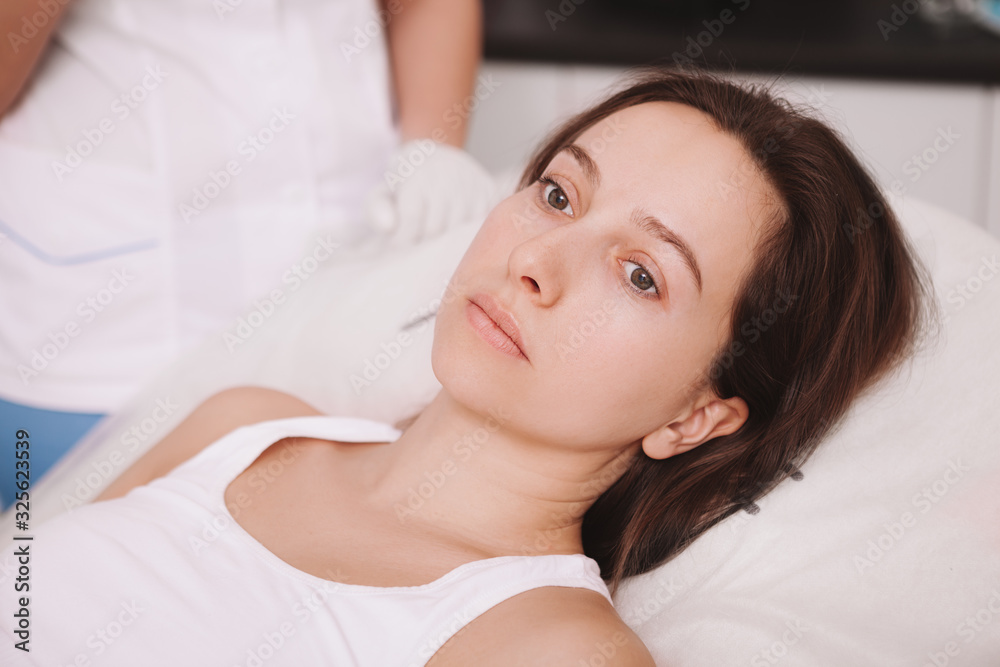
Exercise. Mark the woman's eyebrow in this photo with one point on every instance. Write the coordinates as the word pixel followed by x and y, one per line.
pixel 650 224
pixel 586 163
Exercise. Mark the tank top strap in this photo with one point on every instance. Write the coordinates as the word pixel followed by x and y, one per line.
pixel 214 467
pixel 481 585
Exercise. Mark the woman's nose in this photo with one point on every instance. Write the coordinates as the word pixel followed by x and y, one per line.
pixel 542 265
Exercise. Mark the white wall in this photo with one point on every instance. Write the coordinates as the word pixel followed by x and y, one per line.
pixel 888 124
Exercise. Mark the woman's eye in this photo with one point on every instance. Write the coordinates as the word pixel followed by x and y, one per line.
pixel 640 279
pixel 556 198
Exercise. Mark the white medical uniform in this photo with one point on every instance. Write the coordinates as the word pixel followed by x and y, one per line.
pixel 171 161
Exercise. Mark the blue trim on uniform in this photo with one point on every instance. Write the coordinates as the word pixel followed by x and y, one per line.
pixel 51 434
pixel 83 258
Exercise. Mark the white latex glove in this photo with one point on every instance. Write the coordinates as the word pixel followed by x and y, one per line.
pixel 428 188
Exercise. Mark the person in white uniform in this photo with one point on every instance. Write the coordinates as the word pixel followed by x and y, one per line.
pixel 163 163
pixel 550 468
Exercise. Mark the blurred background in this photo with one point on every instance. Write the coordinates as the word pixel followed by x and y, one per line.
pixel 914 86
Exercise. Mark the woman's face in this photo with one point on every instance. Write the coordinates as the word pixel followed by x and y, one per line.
pixel 619 268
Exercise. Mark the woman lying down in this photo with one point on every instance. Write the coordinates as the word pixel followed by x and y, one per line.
pixel 747 306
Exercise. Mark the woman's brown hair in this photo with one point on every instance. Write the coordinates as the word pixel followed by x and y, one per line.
pixel 834 299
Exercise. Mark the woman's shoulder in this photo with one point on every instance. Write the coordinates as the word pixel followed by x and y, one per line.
pixel 256 402
pixel 216 416
pixel 550 625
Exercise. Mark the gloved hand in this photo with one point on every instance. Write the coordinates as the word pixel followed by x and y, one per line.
pixel 428 188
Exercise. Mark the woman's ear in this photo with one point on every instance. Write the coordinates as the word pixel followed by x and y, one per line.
pixel 715 418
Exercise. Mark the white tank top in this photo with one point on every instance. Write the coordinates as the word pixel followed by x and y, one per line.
pixel 166 576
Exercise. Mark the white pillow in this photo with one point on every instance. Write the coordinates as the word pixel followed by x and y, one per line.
pixel 846 567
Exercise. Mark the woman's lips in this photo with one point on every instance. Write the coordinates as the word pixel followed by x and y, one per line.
pixel 491 331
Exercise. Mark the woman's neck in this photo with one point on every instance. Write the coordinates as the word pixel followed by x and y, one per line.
pixel 474 479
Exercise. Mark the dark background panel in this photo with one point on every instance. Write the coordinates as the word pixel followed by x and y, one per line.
pixel 770 36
